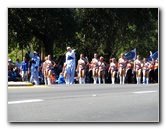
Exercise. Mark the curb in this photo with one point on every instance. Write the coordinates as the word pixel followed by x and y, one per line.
pixel 20 84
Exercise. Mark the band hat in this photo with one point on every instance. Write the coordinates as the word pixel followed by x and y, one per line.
pixel 68 48
pixel 35 52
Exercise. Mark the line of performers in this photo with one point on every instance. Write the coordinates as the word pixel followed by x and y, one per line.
pixel 99 67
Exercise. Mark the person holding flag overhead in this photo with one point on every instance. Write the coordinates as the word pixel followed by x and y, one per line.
pixel 153 56
pixel 34 67
pixel 131 55
pixel 153 70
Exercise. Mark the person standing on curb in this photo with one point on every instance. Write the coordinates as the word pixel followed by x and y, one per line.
pixel 24 69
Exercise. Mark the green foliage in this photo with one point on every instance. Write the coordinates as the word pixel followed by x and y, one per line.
pixel 88 30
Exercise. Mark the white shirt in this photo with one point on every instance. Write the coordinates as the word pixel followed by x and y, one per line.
pixel 71 55
pixel 81 61
pixel 95 61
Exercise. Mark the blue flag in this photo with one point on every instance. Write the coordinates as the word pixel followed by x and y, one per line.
pixel 131 55
pixel 154 56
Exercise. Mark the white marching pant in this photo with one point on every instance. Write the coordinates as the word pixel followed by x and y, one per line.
pixel 34 74
pixel 70 71
pixel 113 80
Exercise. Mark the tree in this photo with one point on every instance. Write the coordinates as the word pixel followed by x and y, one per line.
pixel 50 26
pixel 107 31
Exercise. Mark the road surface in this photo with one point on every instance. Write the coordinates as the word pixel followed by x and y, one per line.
pixel 84 103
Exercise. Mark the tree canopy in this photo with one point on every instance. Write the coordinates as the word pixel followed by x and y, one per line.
pixel 106 31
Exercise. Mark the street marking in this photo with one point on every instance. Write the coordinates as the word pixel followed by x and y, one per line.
pixel 25 101
pixel 141 92
pixel 94 95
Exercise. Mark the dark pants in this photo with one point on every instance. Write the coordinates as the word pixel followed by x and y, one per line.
pixel 151 76
pixel 134 78
pixel 156 75
pixel 128 76
pixel 90 76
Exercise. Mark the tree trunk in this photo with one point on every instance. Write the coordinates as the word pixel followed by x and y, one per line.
pixel 42 54
pixel 48 44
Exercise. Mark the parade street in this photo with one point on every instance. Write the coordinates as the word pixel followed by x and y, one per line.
pixel 84 103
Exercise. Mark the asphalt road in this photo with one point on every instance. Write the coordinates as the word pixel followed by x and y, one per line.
pixel 84 103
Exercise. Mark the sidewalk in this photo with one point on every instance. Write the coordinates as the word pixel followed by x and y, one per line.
pixel 19 84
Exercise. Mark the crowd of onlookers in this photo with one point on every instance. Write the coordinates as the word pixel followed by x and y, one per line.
pixel 15 72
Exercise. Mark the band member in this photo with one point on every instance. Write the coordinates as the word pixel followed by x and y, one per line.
pixel 34 67
pixel 101 70
pixel 49 66
pixel 113 70
pixel 137 68
pixel 145 71
pixel 95 68
pixel 81 69
pixel 24 69
pixel 122 68
pixel 70 61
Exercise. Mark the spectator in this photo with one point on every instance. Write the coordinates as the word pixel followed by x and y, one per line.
pixel 10 75
pixel 18 63
pixel 41 76
pixel 61 79
pixel 64 71
pixel 59 69
pixel 24 69
pixel 11 65
pixel 52 78
pixel 16 73
pixel 27 57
